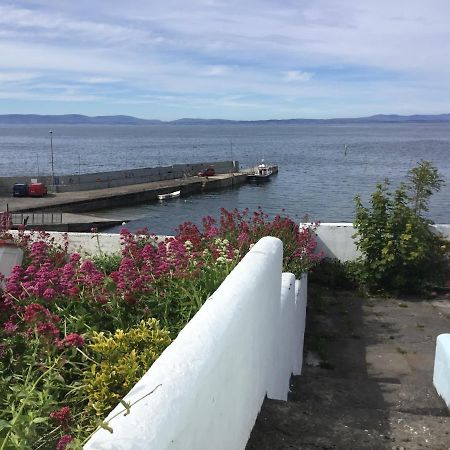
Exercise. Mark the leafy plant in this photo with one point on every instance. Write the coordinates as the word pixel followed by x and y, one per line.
pixel 107 263
pixel 400 252
pixel 423 180
pixel 121 359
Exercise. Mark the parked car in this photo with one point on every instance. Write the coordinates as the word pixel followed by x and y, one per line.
pixel 37 190
pixel 20 190
pixel 209 172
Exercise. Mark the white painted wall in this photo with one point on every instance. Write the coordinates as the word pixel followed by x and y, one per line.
pixel 335 239
pixel 441 375
pixel 243 343
pixel 10 256
pixel 88 243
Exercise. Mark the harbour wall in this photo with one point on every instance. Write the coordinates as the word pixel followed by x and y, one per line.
pixel 102 180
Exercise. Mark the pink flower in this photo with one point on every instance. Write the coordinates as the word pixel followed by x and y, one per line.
pixel 48 330
pixel 10 327
pixel 34 312
pixel 49 293
pixel 74 340
pixel 64 442
pixel 87 266
pixel 74 290
pixel 62 416
pixel 74 257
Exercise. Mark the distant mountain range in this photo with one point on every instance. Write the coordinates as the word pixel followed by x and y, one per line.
pixel 33 119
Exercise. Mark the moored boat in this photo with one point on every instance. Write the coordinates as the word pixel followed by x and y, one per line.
pixel 262 173
pixel 169 195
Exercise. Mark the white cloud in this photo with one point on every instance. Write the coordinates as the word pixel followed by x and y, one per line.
pixel 214 71
pixel 99 80
pixel 234 53
pixel 297 76
pixel 15 77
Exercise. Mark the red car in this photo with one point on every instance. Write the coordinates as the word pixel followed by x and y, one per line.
pixel 209 172
pixel 37 190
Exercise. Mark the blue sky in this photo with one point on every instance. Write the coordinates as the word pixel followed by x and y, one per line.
pixel 229 59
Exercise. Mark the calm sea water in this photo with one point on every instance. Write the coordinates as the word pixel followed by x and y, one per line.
pixel 317 176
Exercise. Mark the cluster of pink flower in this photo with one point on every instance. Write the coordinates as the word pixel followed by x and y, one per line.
pixel 52 275
pixel 5 221
pixel 46 279
pixel 242 230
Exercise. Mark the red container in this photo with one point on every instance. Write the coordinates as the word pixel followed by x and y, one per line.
pixel 209 172
pixel 37 190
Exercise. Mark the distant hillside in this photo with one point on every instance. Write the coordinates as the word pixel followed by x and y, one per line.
pixel 24 119
pixel 32 119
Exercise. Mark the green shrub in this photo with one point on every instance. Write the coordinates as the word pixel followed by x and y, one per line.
pixel 400 252
pixel 121 359
pixel 107 263
pixel 333 274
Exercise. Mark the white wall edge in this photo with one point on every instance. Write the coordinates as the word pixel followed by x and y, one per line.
pixel 441 373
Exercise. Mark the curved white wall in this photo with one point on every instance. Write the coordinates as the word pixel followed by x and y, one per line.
pixel 243 343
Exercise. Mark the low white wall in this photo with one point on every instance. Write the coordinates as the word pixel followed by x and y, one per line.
pixel 335 239
pixel 86 243
pixel 243 343
pixel 441 374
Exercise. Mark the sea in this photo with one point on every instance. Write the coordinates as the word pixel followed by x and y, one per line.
pixel 322 167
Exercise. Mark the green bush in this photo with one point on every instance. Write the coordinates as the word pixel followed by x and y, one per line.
pixel 107 263
pixel 121 359
pixel 333 274
pixel 400 252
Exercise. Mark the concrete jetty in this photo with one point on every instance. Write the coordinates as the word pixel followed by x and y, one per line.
pixel 66 205
pixel 108 198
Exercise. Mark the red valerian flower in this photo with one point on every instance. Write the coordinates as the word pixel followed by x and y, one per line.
pixel 64 441
pixel 74 340
pixel 62 416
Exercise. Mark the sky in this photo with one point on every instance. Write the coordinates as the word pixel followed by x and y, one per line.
pixel 242 60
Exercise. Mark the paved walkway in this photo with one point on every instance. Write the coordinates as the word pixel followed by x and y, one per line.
pixel 367 379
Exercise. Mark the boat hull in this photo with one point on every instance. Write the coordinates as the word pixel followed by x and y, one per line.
pixel 169 195
pixel 258 178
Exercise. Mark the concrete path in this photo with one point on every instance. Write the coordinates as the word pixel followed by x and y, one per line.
pixel 367 381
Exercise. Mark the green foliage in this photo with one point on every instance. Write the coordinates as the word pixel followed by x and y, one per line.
pixel 27 397
pixel 121 359
pixel 423 180
pixel 400 252
pixel 107 263
pixel 333 274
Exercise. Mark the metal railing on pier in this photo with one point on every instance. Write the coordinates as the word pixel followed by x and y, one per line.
pixel 32 218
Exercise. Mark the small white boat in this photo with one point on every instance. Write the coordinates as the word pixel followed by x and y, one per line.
pixel 169 195
pixel 262 173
